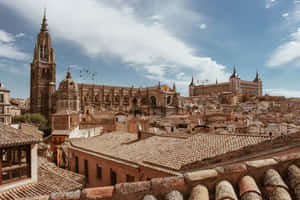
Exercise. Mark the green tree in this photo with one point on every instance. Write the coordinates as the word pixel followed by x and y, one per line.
pixel 33 118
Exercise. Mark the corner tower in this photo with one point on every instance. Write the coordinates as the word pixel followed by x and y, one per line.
pixel 43 74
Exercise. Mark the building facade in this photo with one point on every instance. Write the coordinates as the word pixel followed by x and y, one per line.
pixel 234 85
pixel 5 114
pixel 18 157
pixel 157 100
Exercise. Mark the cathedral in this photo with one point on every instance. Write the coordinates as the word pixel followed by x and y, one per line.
pixel 75 97
pixel 235 86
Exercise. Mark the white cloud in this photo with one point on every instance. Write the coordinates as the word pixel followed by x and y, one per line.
pixel 8 48
pixel 20 35
pixel 6 37
pixel 11 52
pixel 287 52
pixel 156 17
pixel 283 92
pixel 270 3
pixel 285 15
pixel 102 29
pixel 203 26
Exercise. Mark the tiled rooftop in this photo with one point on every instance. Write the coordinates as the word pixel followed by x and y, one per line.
pixel 274 178
pixel 125 145
pixel 200 147
pixel 10 136
pixel 165 152
pixel 51 179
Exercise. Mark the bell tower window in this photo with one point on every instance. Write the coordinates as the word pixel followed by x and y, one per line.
pixel 44 53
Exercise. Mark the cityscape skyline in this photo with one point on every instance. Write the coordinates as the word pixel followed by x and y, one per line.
pixel 143 44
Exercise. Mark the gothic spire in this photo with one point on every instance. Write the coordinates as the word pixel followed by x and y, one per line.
pixel 234 74
pixel 174 86
pixel 192 82
pixel 44 25
pixel 257 76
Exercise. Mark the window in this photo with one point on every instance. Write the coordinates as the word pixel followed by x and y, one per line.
pixel 153 101
pixel 76 165
pixel 99 172
pixel 113 177
pixel 129 178
pixel 86 170
pixel 1 98
pixel 169 100
pixel 1 109
pixel 15 163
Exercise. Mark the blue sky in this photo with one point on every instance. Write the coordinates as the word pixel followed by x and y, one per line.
pixel 141 42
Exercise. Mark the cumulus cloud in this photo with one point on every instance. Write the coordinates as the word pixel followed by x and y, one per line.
pixel 8 49
pixel 101 28
pixel 286 52
pixel 283 92
pixel 270 3
pixel 203 26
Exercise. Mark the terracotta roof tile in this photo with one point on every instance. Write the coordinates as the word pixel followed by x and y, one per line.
pixel 50 180
pixel 200 147
pixel 199 192
pixel 10 136
pixel 224 190
pixel 125 146
pixel 248 185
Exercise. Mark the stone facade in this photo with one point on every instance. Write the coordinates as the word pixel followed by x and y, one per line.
pixel 43 74
pixel 5 114
pixel 156 100
pixel 234 85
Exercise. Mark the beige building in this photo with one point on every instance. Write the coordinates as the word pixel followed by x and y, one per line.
pixel 5 115
pixel 234 85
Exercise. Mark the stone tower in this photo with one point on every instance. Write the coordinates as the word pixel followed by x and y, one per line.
pixel 191 87
pixel 258 81
pixel 234 81
pixel 43 74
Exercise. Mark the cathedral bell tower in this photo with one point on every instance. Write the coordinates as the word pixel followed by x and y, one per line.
pixel 43 74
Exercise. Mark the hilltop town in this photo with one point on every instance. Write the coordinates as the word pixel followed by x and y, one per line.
pixel 225 140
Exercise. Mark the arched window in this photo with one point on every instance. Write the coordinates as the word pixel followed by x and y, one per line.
pixel 117 99
pixel 153 100
pixel 107 98
pixel 134 101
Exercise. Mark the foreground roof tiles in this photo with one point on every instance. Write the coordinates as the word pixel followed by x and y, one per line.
pixel 51 179
pixel 273 181
pixel 10 136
